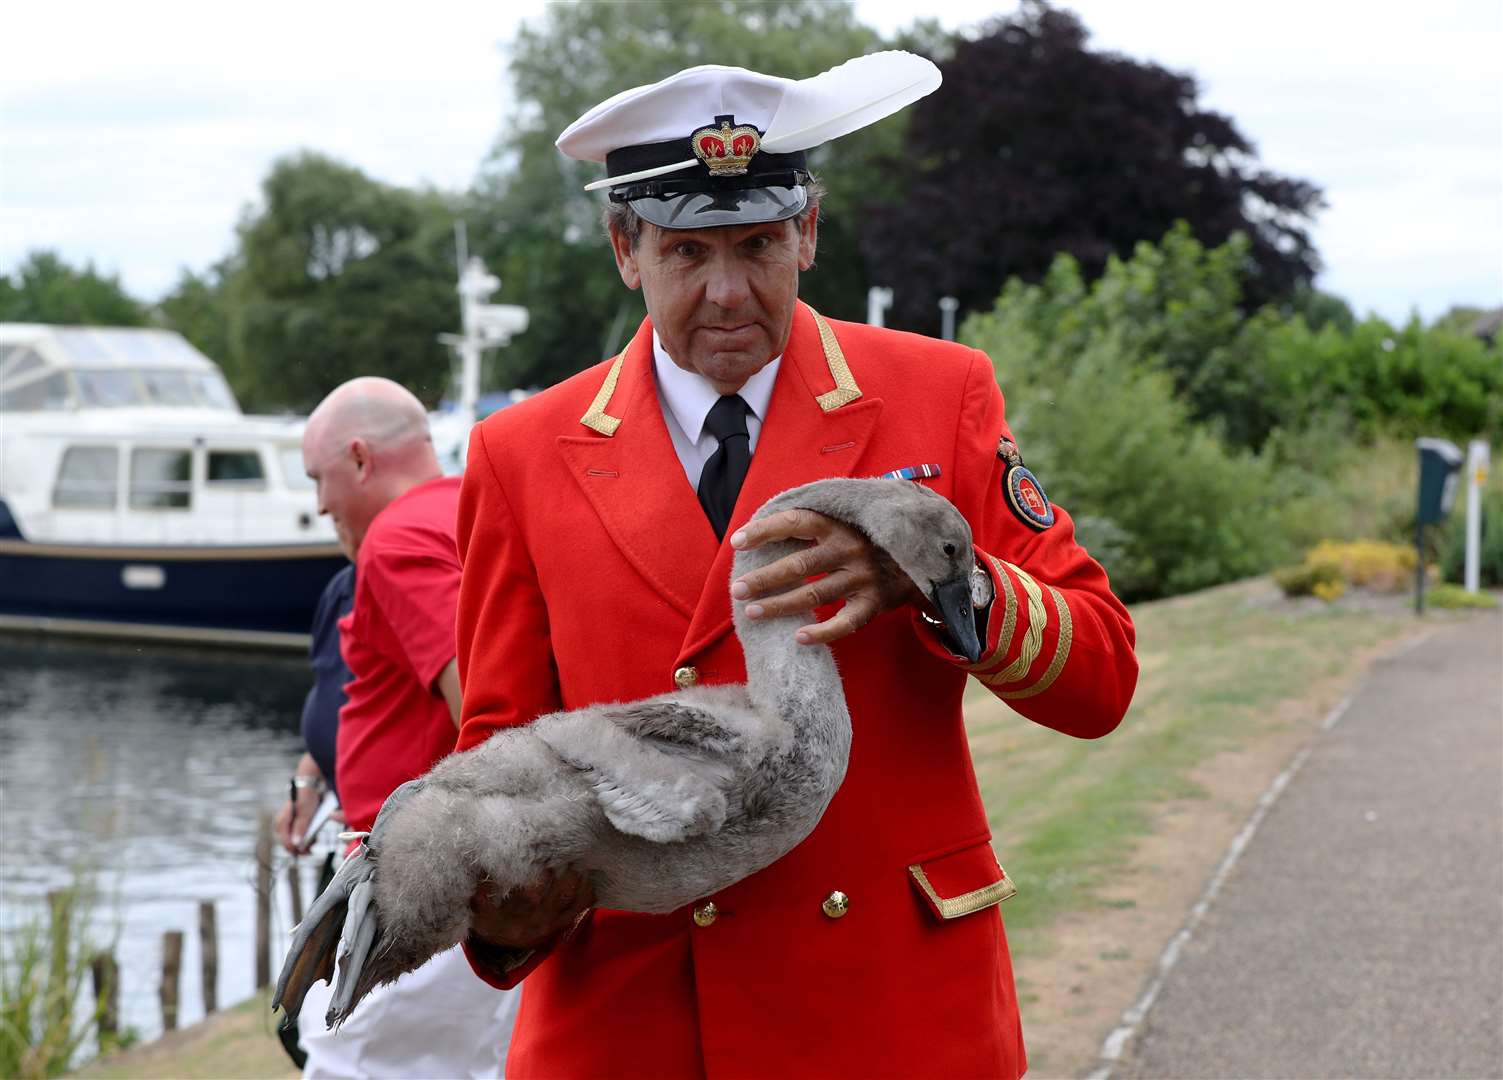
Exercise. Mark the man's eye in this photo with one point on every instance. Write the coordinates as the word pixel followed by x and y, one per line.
pixel 759 243
pixel 686 250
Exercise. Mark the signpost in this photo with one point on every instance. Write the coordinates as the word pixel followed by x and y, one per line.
pixel 1476 479
pixel 1438 460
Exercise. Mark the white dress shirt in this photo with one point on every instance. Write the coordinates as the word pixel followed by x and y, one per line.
pixel 686 399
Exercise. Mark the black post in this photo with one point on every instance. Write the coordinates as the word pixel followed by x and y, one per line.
pixel 1419 569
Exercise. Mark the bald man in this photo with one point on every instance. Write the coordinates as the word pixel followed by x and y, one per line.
pixel 368 450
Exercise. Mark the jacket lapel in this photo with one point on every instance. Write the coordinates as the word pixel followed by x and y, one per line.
pixel 636 484
pixel 818 425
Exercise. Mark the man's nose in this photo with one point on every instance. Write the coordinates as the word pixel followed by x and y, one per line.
pixel 727 286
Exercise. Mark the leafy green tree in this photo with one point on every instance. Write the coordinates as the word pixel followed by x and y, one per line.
pixel 45 289
pixel 1035 144
pixel 540 231
pixel 336 275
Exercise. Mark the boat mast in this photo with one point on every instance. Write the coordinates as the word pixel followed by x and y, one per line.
pixel 485 325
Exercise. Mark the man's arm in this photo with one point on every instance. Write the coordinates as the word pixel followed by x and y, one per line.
pixel 1057 645
pixel 448 686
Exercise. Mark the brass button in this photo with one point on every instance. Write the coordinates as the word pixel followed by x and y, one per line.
pixel 686 677
pixel 836 904
pixel 706 913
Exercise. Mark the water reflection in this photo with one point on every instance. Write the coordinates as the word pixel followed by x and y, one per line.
pixel 144 768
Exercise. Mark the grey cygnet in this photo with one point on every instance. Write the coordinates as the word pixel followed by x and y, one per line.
pixel 660 802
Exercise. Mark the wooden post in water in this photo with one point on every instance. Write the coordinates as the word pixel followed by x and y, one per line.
pixel 106 977
pixel 172 966
pixel 208 951
pixel 263 901
pixel 59 926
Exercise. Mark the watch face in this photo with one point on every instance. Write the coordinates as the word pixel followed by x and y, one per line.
pixel 981 588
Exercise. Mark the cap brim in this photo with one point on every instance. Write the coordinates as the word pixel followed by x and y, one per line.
pixel 709 209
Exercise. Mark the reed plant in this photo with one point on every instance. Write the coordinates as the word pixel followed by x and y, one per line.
pixel 43 1027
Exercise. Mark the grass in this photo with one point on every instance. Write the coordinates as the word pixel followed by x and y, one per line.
pixel 1065 813
pixel 235 1043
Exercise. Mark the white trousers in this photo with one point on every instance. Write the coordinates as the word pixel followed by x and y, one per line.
pixel 440 1022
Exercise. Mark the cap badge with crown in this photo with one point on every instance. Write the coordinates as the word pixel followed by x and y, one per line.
pixel 726 150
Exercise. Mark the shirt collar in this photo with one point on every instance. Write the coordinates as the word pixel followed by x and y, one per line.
pixel 690 396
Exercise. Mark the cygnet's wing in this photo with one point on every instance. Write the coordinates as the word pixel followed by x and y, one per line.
pixel 315 941
pixel 658 768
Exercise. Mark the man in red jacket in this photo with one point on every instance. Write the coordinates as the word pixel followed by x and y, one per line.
pixel 597 524
pixel 368 450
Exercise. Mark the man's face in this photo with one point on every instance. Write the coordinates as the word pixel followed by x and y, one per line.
pixel 721 299
pixel 340 470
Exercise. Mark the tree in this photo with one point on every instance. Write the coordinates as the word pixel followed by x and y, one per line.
pixel 1036 145
pixel 45 289
pixel 336 275
pixel 540 231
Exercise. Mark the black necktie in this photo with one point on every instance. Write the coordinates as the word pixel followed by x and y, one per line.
pixel 720 482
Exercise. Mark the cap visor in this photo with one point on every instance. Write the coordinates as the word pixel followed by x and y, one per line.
pixel 709 209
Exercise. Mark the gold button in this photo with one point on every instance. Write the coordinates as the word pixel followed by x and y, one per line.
pixel 836 904
pixel 685 677
pixel 706 913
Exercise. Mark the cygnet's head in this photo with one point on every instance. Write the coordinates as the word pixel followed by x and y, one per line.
pixel 919 529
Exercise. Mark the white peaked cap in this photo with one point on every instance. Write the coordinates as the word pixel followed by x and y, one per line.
pixel 648 124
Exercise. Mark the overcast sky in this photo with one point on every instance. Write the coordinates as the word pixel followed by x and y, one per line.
pixel 133 135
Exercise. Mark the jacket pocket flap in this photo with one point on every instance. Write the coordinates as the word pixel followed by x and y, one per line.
pixel 958 884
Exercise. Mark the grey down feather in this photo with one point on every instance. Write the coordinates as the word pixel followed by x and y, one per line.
pixel 660 802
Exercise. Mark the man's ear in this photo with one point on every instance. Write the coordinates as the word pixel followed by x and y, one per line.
pixel 626 258
pixel 808 238
pixel 363 459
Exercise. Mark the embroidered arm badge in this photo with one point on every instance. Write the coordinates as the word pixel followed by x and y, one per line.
pixel 1025 495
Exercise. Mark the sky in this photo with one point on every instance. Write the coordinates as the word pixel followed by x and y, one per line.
pixel 134 136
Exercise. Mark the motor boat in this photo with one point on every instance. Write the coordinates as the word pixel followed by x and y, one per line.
pixel 137 500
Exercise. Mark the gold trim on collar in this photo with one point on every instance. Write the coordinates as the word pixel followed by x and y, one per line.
pixel 965 903
pixel 595 416
pixel 846 390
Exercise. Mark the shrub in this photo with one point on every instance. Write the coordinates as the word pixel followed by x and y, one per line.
pixel 1453 561
pixel 1160 501
pixel 1332 565
pixel 1453 597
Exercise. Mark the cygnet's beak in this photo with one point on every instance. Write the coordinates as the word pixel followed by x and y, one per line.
pixel 953 599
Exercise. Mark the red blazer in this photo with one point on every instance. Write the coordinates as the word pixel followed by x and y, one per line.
pixel 591 574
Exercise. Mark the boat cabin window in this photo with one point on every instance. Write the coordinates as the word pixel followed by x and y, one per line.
pixel 293 474
pixel 29 394
pixel 240 469
pixel 103 389
pixel 87 478
pixel 17 360
pixel 161 479
pixel 168 387
pixel 213 391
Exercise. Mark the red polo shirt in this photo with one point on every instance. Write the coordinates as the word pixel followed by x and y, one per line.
pixel 397 639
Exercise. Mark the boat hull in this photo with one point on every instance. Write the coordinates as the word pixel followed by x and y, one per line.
pixel 256 594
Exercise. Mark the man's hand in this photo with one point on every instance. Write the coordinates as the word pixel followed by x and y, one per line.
pixel 292 821
pixel 854 571
pixel 532 916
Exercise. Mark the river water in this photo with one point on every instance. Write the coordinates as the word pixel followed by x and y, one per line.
pixel 142 770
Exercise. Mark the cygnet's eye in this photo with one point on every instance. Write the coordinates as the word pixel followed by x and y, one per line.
pixel 950 550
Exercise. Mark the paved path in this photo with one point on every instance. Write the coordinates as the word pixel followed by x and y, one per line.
pixel 1361 933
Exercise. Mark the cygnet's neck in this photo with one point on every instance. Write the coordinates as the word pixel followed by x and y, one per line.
pixel 782 676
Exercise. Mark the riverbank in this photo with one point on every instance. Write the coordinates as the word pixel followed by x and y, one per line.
pixel 1110 842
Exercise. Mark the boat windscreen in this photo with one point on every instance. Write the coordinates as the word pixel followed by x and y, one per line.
pixel 107 389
